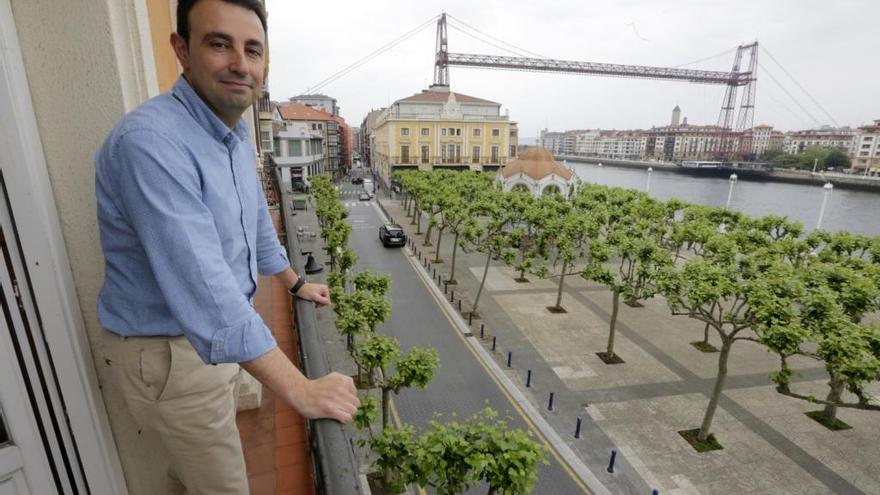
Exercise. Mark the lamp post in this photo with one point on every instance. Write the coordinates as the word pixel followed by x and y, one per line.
pixel 730 191
pixel 828 187
pixel 648 183
pixel 599 174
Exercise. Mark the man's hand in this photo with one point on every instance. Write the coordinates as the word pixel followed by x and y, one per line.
pixel 331 396
pixel 317 293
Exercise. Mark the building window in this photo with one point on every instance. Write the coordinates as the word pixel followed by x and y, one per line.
pixel 404 154
pixel 458 132
pixel 426 131
pixel 294 147
pixel 277 147
pixel 426 151
pixel 494 157
pixel 512 151
pixel 496 132
pixel 314 126
pixel 404 131
pixel 475 154
pixel 443 131
pixel 320 127
pixel 477 132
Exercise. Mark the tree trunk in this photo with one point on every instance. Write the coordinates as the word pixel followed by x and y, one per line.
pixel 418 221
pixel 439 236
pixel 706 334
pixel 386 402
pixel 615 305
pixel 428 232
pixel 454 252
pixel 522 261
pixel 726 344
pixel 561 283
pixel 491 490
pixel 482 282
pixel 834 394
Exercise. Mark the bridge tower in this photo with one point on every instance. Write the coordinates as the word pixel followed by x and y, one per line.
pixel 441 54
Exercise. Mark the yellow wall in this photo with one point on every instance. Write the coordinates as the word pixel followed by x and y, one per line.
pixel 390 138
pixel 161 27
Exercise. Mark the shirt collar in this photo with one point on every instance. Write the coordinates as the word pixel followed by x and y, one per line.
pixel 206 117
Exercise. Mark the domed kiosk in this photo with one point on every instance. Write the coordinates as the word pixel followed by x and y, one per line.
pixel 536 172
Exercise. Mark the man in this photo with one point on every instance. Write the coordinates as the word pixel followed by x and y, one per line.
pixel 185 229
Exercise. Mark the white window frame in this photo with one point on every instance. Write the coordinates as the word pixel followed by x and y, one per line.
pixel 43 249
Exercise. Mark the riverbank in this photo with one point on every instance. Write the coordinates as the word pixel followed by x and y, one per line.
pixel 842 181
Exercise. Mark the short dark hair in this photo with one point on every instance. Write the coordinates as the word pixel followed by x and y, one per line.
pixel 184 6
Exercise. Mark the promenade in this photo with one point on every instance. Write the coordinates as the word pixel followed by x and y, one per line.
pixel 663 387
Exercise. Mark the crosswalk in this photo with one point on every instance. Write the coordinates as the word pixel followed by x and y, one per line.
pixel 354 204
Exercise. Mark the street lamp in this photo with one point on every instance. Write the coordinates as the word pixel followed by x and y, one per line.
pixel 648 183
pixel 730 191
pixel 828 187
pixel 599 174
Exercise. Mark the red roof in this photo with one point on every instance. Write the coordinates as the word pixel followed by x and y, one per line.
pixel 441 96
pixel 296 111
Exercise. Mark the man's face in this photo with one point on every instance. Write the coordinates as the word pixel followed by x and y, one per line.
pixel 223 60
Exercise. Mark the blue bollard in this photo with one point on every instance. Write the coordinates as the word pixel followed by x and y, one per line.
pixel 577 429
pixel 550 403
pixel 529 379
pixel 482 330
pixel 470 319
pixel 451 295
pixel 459 305
pixel 655 492
pixel 611 463
pixel 493 342
pixel 446 287
pixel 509 357
pixel 433 272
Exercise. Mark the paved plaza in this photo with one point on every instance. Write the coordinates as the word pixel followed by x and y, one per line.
pixel 770 446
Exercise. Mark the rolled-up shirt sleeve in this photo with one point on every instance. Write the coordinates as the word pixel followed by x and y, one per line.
pixel 271 258
pixel 162 199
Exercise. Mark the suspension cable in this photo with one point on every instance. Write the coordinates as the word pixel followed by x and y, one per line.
pixel 518 54
pixel 725 52
pixel 522 50
pixel 799 85
pixel 784 90
pixel 384 48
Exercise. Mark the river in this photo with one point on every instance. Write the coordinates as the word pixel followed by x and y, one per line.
pixel 854 211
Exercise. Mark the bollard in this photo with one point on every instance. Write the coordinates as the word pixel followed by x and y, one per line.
pixel 433 272
pixel 459 305
pixel 577 429
pixel 529 379
pixel 493 342
pixel 509 357
pixel 482 328
pixel 446 287
pixel 611 463
pixel 452 296
pixel 550 403
pixel 470 318
pixel 655 492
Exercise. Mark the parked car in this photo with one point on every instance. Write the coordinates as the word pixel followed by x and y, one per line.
pixel 392 234
pixel 357 180
pixel 364 196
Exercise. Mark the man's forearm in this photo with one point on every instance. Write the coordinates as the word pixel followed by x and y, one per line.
pixel 275 370
pixel 287 277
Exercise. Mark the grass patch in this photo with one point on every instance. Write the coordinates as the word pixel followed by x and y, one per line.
pixel 708 445
pixel 832 424
pixel 556 309
pixel 612 359
pixel 704 346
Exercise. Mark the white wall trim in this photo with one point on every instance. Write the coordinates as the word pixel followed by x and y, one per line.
pixel 33 203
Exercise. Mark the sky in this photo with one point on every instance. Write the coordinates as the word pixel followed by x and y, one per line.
pixel 830 48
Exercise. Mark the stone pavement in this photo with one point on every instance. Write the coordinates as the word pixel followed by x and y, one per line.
pixel 638 407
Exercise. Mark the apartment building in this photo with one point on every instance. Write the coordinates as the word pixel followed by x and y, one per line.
pixel 866 156
pixel 843 138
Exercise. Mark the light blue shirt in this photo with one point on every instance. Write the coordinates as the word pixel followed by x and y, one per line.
pixel 184 229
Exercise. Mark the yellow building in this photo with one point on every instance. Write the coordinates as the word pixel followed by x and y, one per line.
pixel 441 128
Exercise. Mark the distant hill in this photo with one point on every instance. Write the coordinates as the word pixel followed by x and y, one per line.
pixel 528 141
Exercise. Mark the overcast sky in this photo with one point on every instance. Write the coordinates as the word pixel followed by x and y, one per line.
pixel 830 47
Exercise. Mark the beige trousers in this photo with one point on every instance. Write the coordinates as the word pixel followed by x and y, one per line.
pixel 170 392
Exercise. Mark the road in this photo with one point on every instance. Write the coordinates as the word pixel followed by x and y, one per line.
pixel 463 385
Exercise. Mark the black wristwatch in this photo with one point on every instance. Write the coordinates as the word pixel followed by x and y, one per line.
pixel 297 286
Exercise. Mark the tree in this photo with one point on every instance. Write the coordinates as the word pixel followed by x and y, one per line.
pixel 733 288
pixel 837 159
pixel 485 232
pixel 635 245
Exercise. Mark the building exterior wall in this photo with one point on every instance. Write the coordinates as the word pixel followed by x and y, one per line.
pixel 866 155
pixel 843 138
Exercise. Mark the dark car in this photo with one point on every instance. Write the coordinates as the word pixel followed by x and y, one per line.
pixel 392 234
pixel 357 180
